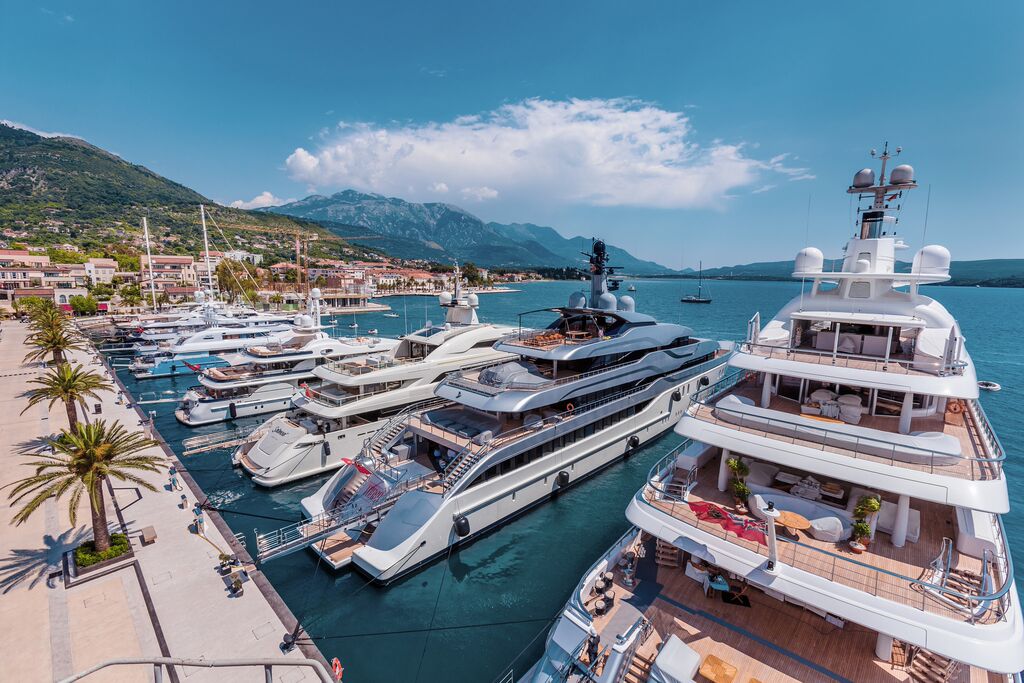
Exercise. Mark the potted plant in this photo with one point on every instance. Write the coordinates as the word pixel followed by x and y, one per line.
pixel 861 535
pixel 738 468
pixel 225 564
pixel 867 507
pixel 236 587
pixel 740 493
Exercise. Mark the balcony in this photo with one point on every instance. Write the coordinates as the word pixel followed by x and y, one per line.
pixel 927 575
pixel 875 438
pixel 901 365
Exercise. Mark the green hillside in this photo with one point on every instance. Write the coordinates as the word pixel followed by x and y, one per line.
pixel 56 189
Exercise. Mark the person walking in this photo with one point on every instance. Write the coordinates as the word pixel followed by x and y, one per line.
pixel 175 485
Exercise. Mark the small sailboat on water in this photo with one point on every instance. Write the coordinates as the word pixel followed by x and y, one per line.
pixel 699 297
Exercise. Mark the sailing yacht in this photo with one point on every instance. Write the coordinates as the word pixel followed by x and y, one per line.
pixel 332 418
pixel 699 297
pixel 263 378
pixel 835 510
pixel 594 386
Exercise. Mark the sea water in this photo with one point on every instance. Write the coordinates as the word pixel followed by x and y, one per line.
pixel 487 607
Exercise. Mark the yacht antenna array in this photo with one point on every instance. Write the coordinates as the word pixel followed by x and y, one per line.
pixel 864 185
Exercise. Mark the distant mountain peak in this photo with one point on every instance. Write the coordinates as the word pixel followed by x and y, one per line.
pixel 440 231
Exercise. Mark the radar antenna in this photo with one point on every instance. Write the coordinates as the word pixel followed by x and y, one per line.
pixel 882 193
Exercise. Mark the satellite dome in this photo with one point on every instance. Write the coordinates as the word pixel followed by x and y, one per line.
pixel 865 177
pixel 902 175
pixel 445 298
pixel 627 304
pixel 932 260
pixel 862 265
pixel 303 321
pixel 473 300
pixel 809 260
pixel 606 302
pixel 577 300
pixel 315 293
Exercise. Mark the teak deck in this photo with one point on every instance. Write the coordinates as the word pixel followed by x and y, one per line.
pixel 771 641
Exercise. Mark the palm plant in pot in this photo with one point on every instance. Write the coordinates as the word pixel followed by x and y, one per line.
pixel 861 535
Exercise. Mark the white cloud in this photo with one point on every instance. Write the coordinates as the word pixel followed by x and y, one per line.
pixel 440 188
pixel 260 201
pixel 602 152
pixel 42 133
pixel 479 194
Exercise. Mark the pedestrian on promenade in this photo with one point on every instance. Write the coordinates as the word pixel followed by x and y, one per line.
pixel 198 512
pixel 184 502
pixel 173 472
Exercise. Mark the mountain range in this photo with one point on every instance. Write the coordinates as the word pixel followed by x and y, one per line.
pixel 443 232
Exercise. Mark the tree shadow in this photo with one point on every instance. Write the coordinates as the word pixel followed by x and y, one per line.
pixel 33 564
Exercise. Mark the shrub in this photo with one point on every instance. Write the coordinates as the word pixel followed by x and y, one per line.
pixel 861 530
pixel 738 468
pixel 866 506
pixel 86 555
pixel 740 490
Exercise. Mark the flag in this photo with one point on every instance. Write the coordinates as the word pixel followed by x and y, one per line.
pixel 193 368
pixel 350 461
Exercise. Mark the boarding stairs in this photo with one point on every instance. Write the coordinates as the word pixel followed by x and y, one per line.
pixel 666 554
pixel 639 669
pixel 295 537
pixel 923 665
pixel 228 438
pixel 961 585
pixel 385 437
pixel 462 463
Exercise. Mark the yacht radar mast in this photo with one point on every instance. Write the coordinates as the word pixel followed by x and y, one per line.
pixel 881 193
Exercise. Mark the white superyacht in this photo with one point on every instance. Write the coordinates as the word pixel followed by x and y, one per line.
pixel 330 420
pixel 835 512
pixel 263 378
pixel 594 386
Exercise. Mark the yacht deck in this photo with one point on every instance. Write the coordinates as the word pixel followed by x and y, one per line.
pixel 974 462
pixel 836 562
pixel 771 641
pixel 896 364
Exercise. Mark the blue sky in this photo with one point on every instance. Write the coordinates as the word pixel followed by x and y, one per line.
pixel 681 131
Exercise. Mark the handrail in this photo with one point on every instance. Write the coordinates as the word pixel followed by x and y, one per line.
pixel 335 401
pixel 401 416
pixel 462 381
pixel 850 442
pixel 351 368
pixel 329 521
pixel 879 364
pixel 157 662
pixel 656 484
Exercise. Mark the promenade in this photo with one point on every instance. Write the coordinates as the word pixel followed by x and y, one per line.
pixel 169 601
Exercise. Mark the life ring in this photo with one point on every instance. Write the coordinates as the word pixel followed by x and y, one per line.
pixel 989 386
pixel 570 408
pixel 337 668
pixel 955 407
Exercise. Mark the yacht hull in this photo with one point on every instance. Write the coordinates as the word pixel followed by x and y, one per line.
pixel 296 461
pixel 496 501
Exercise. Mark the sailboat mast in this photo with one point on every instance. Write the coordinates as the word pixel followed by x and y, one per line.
pixel 149 257
pixel 700 278
pixel 206 247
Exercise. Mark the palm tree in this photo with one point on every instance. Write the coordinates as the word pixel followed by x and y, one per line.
pixel 53 336
pixel 277 300
pixel 81 461
pixel 69 385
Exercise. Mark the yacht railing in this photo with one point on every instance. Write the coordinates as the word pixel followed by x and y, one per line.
pixel 808 435
pixel 336 400
pixel 882 583
pixel 295 537
pixel 462 380
pixel 840 359
pixel 554 338
pixel 354 368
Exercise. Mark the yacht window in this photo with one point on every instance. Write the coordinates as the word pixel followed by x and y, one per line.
pixel 860 289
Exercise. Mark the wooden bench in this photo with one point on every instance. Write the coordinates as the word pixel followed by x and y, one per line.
pixel 148 535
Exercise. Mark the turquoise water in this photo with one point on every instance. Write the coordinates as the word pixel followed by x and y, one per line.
pixel 488 605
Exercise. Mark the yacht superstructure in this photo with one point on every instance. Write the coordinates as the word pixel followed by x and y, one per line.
pixel 353 398
pixel 597 384
pixel 840 490
pixel 263 378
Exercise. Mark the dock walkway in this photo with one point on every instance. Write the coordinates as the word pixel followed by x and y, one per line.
pixel 170 601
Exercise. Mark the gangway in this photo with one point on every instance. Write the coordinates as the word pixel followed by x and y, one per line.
pixel 228 438
pixel 148 397
pixel 296 537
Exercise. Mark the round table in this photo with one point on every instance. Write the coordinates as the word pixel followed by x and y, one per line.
pixel 792 522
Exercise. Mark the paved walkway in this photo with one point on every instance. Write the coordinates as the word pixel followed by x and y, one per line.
pixel 49 633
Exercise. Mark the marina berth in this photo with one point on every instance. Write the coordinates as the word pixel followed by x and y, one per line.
pixel 349 399
pixel 842 479
pixel 263 378
pixel 596 385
